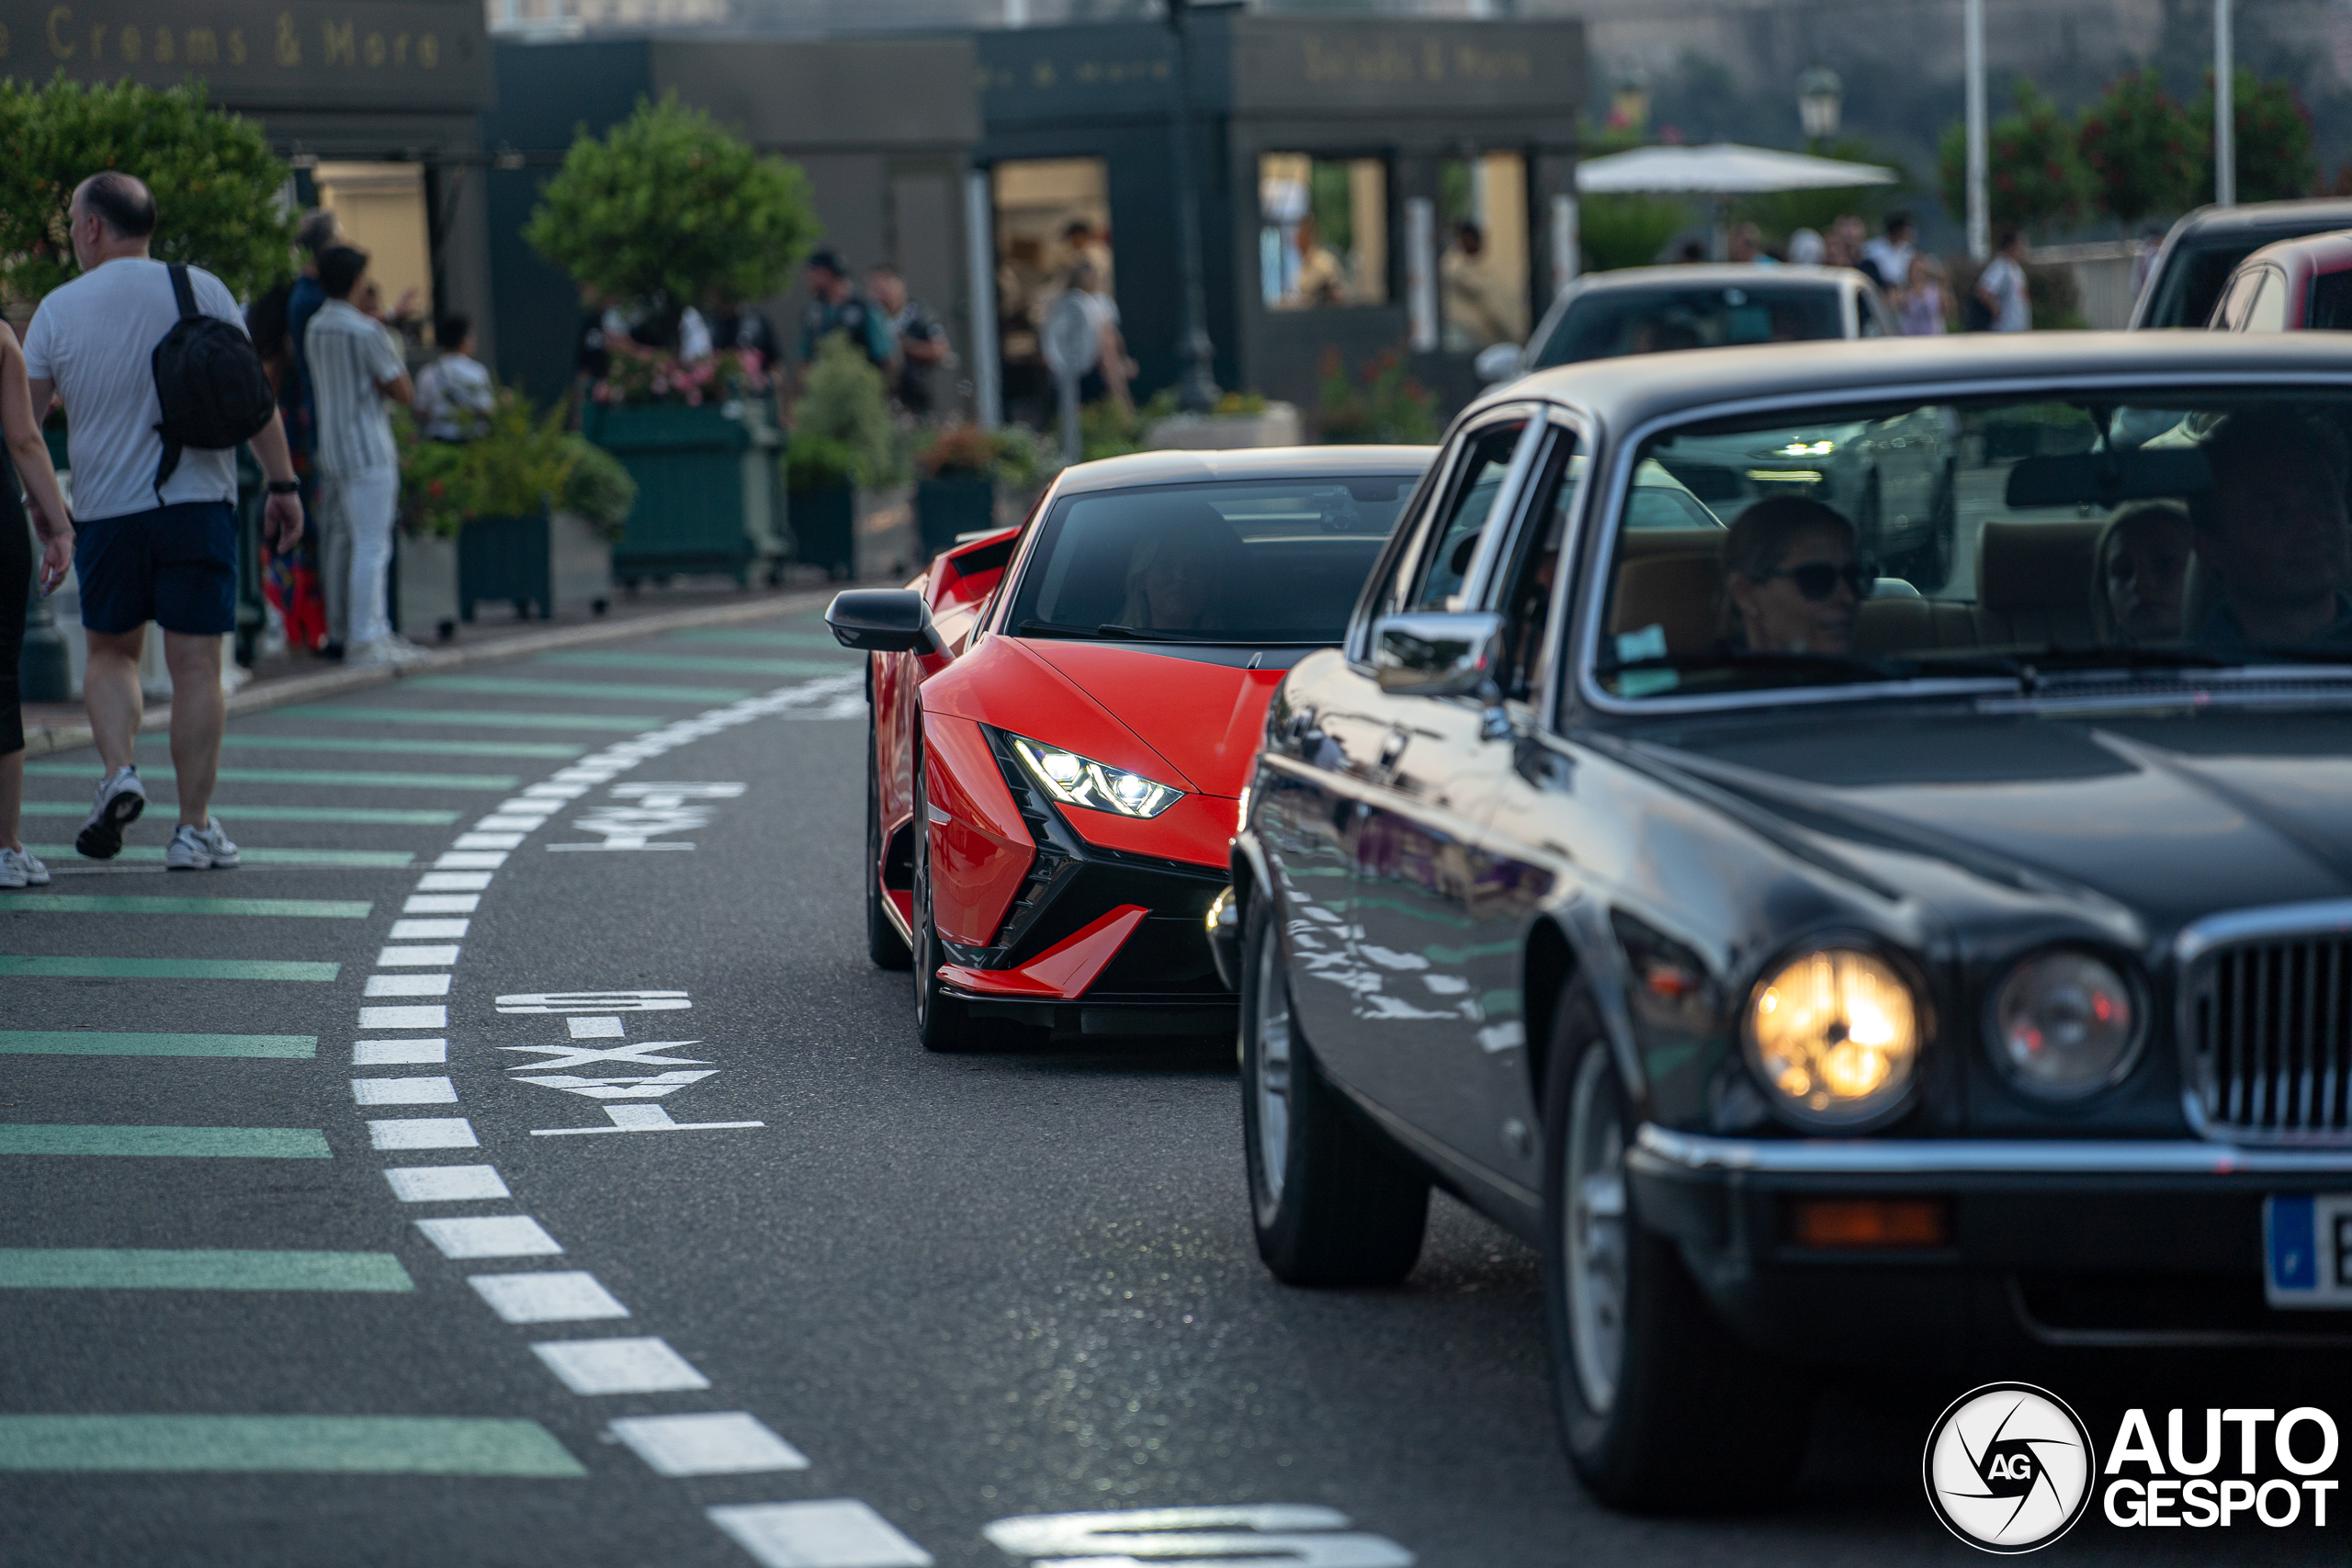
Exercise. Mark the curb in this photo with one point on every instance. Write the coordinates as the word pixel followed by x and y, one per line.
pixel 260 696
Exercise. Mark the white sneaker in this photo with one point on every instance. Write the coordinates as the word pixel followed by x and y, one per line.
pixel 21 868
pixel 387 652
pixel 121 797
pixel 209 850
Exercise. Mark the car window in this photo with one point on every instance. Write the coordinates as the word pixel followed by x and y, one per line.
pixel 1526 604
pixel 1263 560
pixel 1453 545
pixel 2331 304
pixel 2268 312
pixel 2230 312
pixel 1876 544
pixel 1604 323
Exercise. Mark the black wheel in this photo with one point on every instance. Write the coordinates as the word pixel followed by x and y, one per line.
pixel 941 1021
pixel 883 943
pixel 1332 1203
pixel 1660 1408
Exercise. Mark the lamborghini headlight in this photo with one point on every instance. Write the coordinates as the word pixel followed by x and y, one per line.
pixel 1834 1035
pixel 1074 780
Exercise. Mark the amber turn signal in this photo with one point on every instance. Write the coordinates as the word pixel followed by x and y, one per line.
pixel 1870 1222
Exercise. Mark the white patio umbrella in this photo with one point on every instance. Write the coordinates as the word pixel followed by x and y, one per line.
pixel 1721 168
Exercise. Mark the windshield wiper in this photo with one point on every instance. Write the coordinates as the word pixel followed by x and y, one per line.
pixel 1053 629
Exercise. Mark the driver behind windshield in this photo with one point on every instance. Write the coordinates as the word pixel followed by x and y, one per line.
pixel 1791 582
pixel 1184 573
pixel 2273 525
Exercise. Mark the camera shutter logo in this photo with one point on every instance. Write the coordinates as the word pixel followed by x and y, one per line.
pixel 2010 1468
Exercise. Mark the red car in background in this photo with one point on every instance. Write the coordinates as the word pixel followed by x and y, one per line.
pixel 1064 716
pixel 2293 285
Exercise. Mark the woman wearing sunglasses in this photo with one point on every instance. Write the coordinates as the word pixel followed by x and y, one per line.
pixel 1791 582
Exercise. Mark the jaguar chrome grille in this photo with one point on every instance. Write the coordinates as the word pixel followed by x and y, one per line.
pixel 2266 1021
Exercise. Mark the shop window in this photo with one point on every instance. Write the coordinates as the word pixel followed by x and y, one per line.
pixel 1053 216
pixel 1323 238
pixel 1482 217
pixel 381 208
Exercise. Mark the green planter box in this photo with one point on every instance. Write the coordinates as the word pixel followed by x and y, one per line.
pixel 824 529
pixel 944 508
pixel 504 558
pixel 707 499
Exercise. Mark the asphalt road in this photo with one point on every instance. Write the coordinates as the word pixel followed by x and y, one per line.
pixel 260 1307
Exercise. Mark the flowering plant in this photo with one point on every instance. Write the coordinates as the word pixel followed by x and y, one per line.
pixel 966 451
pixel 639 376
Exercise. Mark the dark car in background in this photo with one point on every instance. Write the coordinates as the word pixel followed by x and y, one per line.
pixel 2205 247
pixel 1949 981
pixel 1652 309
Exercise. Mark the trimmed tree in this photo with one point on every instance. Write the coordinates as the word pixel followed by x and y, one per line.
pixel 2140 149
pixel 2034 172
pixel 669 209
pixel 2275 159
pixel 215 181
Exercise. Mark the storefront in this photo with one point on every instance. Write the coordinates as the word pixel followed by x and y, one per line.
pixel 884 130
pixel 375 107
pixel 1366 186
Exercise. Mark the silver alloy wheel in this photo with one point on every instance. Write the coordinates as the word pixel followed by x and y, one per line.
pixel 1595 1236
pixel 1273 1075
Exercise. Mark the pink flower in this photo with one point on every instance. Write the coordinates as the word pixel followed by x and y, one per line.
pixel 694 398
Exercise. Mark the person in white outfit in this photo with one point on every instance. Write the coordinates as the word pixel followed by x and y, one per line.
pixel 355 367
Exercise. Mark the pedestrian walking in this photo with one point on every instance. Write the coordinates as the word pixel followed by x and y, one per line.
pixel 454 394
pixel 355 367
pixel 1888 257
pixel 921 341
pixel 157 537
pixel 2001 290
pixel 1924 298
pixel 26 460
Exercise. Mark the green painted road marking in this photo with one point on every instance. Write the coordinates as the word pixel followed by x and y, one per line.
pixel 163 1142
pixel 107 966
pixel 654 664
pixel 91 1042
pixel 515 686
pixel 360 859
pixel 75 903
pixel 486 719
pixel 764 639
pixel 342 816
pixel 357 779
pixel 395 743
pixel 354 1445
pixel 101 1269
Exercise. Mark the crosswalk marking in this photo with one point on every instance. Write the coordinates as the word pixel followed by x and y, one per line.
pixel 619 1366
pixel 423 1133
pixel 491 1236
pixel 723 1442
pixel 557 1296
pixel 339 778
pixel 246 811
pixel 524 686
pixel 398 745
pixel 79 903
pixel 102 1269
pixel 838 1532
pixel 445 1183
pixel 382 1445
pixel 109 967
pixel 349 860
pixel 91 1042
pixel 489 719
pixel 163 1142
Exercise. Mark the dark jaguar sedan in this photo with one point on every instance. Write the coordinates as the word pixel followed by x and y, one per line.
pixel 1816 969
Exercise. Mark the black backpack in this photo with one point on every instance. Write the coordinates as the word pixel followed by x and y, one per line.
pixel 211 383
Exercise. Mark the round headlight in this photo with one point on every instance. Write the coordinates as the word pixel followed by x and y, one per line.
pixel 2064 1025
pixel 1835 1036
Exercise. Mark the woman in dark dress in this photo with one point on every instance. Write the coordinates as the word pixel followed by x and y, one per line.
pixel 30 455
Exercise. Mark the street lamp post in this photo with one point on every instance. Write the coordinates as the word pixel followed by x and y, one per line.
pixel 1820 98
pixel 1196 389
pixel 1980 218
pixel 2225 115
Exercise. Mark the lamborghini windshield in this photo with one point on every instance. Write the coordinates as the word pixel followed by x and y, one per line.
pixel 1262 562
pixel 2169 530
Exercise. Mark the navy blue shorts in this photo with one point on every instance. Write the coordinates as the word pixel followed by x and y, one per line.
pixel 175 566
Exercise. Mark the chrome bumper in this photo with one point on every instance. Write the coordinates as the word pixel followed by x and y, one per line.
pixel 1694 1152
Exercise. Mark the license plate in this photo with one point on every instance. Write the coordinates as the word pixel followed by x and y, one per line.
pixel 2307 1247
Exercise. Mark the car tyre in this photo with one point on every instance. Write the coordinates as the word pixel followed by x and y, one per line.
pixel 1661 1410
pixel 884 945
pixel 943 1023
pixel 1332 1203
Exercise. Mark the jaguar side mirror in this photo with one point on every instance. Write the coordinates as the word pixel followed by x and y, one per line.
pixel 1498 362
pixel 1435 654
pixel 882 620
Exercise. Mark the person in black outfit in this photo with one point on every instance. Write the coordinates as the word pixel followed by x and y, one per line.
pixel 25 454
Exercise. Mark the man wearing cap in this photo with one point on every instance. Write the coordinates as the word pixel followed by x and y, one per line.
pixel 835 306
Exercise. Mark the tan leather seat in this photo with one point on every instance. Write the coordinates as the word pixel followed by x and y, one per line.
pixel 1675 593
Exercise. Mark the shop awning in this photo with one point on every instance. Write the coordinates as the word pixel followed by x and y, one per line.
pixel 1721 168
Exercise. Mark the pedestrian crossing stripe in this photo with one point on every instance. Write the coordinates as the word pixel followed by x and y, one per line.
pixel 339 815
pixel 522 686
pixel 556 749
pixel 92 1042
pixel 366 1445
pixel 107 1269
pixel 338 778
pixel 354 859
pixel 75 903
pixel 633 724
pixel 108 966
pixel 163 1142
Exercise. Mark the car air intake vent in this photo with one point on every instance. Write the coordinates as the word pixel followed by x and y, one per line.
pixel 2268 1025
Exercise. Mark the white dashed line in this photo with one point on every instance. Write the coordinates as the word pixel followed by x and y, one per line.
pixel 445 1183
pixel 398 1053
pixel 618 1366
pixel 453 882
pixel 438 957
pixel 404 1018
pixel 571 1296
pixel 729 1442
pixel 838 1533
pixel 424 930
pixel 423 1133
pixel 442 904
pixel 408 986
pixel 492 1235
pixel 471 860
pixel 403 1091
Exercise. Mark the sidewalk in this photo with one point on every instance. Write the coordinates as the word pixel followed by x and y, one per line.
pixel 294 677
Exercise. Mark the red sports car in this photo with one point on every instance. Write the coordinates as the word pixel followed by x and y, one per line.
pixel 1063 717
